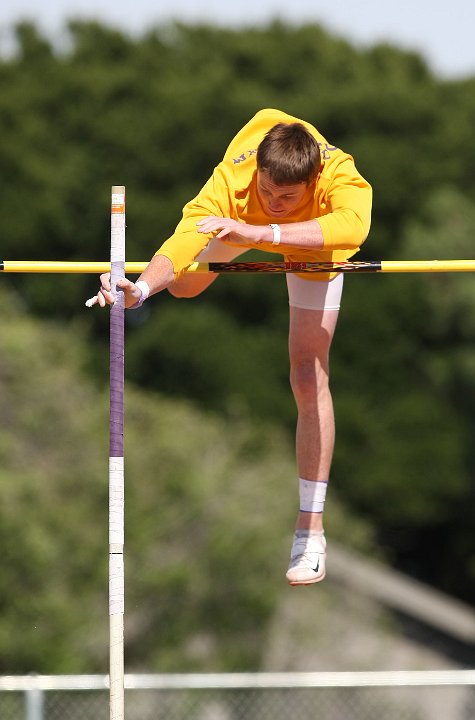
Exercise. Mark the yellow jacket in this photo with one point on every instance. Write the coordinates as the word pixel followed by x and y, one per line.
pixel 341 203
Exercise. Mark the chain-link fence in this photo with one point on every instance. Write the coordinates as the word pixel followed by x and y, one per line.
pixel 261 696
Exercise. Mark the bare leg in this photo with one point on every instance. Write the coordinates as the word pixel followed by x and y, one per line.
pixel 310 337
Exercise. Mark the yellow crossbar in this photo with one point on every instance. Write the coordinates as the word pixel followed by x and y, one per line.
pixel 135 268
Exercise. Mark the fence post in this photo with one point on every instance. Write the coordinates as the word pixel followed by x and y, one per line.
pixel 34 703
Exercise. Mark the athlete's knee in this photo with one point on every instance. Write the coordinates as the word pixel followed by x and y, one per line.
pixel 308 378
pixel 188 287
pixel 182 292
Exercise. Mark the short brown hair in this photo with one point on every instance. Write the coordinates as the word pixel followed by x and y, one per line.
pixel 290 154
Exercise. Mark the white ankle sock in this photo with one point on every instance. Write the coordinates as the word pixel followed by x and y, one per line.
pixel 312 495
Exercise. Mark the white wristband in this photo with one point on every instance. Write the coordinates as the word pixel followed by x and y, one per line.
pixel 145 290
pixel 276 232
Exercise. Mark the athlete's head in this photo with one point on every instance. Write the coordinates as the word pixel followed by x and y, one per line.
pixel 289 154
pixel 288 162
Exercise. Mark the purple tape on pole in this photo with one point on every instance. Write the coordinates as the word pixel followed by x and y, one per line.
pixel 116 356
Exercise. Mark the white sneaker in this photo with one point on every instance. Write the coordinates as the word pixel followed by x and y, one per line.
pixel 307 560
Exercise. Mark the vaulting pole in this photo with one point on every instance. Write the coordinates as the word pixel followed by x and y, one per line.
pixel 371 266
pixel 116 460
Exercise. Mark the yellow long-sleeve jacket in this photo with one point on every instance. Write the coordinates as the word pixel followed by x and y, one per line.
pixel 341 202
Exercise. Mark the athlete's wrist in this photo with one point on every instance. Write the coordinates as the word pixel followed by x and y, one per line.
pixel 144 293
pixel 264 234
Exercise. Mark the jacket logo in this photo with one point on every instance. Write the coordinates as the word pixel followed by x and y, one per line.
pixel 244 156
pixel 325 150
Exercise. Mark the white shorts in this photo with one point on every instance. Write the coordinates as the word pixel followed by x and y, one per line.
pixel 305 294
pixel 315 294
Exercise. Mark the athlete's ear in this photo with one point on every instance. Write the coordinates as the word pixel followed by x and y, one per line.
pixel 317 176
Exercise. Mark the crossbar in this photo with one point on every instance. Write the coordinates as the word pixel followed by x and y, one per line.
pixel 372 266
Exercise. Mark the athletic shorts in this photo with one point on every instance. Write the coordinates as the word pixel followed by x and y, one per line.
pixel 304 294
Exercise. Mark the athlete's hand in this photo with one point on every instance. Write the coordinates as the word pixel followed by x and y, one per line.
pixel 232 231
pixel 132 293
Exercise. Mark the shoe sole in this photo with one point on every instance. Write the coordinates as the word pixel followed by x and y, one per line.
pixel 295 583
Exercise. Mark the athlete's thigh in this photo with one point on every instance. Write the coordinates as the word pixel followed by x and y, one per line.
pixel 314 309
pixel 315 294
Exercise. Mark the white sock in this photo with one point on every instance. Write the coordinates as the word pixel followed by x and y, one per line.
pixel 312 495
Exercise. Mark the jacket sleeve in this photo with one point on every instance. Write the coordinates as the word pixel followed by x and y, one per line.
pixel 348 202
pixel 186 242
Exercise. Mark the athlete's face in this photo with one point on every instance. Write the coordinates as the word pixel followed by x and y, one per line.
pixel 279 200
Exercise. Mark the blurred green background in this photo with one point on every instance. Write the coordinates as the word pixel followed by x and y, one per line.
pixel 210 472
